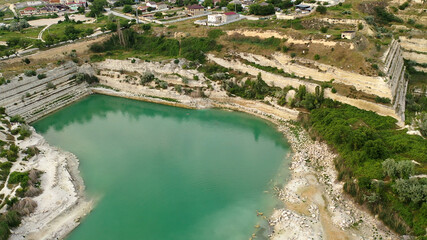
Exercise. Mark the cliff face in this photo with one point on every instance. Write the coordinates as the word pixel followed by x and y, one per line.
pixel 395 76
pixel 33 98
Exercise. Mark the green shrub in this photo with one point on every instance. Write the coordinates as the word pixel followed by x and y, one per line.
pixel 321 9
pixel 316 57
pixel 30 73
pixel 50 85
pixel 41 76
pixel 17 118
pixel 215 33
pixel 19 177
pixel 146 78
pixel 382 100
pixel 404 6
pixel 324 29
pixel 26 61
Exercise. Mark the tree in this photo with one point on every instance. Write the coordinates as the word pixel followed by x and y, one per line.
pixel 97 7
pixel 223 3
pixel 411 190
pixel 208 3
pixel 127 9
pixel 71 32
pixel 146 27
pixel 257 9
pixel 399 169
pixel 235 7
pixel 321 9
pixel 81 10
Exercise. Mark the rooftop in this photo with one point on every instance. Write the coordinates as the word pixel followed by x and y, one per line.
pixel 195 7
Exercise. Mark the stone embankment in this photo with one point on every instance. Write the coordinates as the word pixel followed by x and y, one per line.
pixel 281 81
pixel 32 98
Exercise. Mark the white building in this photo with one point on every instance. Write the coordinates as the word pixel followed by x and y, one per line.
pixel 222 18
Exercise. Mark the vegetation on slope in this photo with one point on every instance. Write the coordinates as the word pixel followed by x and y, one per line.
pixel 192 48
pixel 375 162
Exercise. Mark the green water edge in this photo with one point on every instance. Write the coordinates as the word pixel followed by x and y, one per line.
pixel 139 159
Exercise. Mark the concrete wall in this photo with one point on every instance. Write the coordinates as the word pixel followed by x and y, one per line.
pixel 394 70
pixel 30 98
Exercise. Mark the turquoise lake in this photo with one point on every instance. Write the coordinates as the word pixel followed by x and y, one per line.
pixel 162 172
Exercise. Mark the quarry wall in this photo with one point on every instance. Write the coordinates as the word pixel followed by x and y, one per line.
pixel 33 98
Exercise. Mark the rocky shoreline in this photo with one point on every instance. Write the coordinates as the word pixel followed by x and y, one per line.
pixel 63 202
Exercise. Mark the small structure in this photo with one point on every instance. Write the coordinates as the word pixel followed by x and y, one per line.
pixel 161 6
pixel 303 8
pixel 143 8
pixel 222 18
pixel 348 35
pixel 195 10
pixel 152 4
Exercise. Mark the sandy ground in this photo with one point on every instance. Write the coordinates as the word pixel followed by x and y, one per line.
pixel 50 21
pixel 62 203
pixel 271 33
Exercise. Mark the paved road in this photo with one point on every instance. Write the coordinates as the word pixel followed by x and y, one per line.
pixel 40 36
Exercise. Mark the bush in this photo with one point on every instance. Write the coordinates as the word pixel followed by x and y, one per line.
pixel 215 33
pixel 321 9
pixel 26 61
pixel 382 100
pixel 293 55
pixel 176 61
pixel 41 76
pixel 257 9
pixel 316 57
pixel 17 118
pixel 30 73
pixel 83 77
pixel 333 90
pixel 146 27
pixel 146 78
pixel 404 6
pixel 13 219
pixel 50 85
pixel 324 29
pixel 127 9
pixel 19 177
pixel 360 26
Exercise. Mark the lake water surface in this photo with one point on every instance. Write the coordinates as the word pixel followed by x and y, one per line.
pixel 165 173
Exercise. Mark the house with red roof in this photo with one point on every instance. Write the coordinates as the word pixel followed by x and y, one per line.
pixel 28 11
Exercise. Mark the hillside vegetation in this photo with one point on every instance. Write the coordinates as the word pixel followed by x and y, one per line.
pixel 378 164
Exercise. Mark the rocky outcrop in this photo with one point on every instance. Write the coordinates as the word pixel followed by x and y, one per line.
pixel 32 98
pixel 395 75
